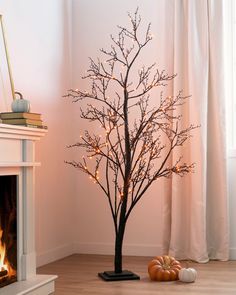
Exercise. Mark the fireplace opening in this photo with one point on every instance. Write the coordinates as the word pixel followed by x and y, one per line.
pixel 8 229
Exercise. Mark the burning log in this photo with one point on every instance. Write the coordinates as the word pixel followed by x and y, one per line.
pixel 3 272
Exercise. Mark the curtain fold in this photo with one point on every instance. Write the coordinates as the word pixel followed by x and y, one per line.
pixel 195 207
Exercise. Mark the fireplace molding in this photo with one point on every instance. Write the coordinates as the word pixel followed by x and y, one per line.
pixel 17 157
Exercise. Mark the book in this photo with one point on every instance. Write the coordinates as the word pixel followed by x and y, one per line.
pixel 22 121
pixel 29 125
pixel 34 126
pixel 14 115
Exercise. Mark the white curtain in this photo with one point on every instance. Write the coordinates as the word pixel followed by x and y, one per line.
pixel 195 206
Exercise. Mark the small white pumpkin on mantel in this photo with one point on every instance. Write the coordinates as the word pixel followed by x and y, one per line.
pixel 187 275
pixel 20 105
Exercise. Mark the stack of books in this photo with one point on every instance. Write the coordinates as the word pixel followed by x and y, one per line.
pixel 23 119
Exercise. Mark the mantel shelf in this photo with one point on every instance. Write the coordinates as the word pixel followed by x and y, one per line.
pixel 21 132
pixel 19 164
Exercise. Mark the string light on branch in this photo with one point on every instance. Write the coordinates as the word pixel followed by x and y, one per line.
pixel 176 169
pixel 183 169
pixel 121 196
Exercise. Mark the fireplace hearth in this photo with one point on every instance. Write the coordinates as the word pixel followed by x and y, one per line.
pixel 17 212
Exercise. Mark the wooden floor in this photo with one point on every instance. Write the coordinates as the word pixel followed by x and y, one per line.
pixel 78 275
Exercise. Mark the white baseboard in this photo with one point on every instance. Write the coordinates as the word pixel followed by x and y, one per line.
pixel 54 254
pixel 108 249
pixel 103 249
pixel 94 248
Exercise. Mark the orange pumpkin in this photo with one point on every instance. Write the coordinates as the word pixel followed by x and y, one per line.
pixel 164 268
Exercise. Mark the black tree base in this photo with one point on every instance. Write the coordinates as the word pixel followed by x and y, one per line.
pixel 122 276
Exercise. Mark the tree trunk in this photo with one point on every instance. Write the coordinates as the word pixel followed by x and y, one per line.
pixel 118 247
pixel 122 219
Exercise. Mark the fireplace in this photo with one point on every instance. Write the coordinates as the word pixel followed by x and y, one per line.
pixel 17 212
pixel 8 230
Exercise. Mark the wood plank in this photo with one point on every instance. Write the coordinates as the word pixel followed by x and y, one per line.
pixel 78 275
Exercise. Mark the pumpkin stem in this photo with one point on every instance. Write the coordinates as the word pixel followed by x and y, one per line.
pixel 187 263
pixel 21 96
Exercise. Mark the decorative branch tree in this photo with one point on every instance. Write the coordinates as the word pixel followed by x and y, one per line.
pixel 131 152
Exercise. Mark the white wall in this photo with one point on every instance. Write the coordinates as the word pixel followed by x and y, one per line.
pixel 38 38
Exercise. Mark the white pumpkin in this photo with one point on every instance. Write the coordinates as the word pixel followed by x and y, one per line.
pixel 20 105
pixel 187 275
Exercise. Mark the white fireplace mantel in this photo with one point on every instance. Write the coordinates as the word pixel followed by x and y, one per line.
pixel 17 157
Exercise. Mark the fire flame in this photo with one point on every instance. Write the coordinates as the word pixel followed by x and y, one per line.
pixel 4 263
